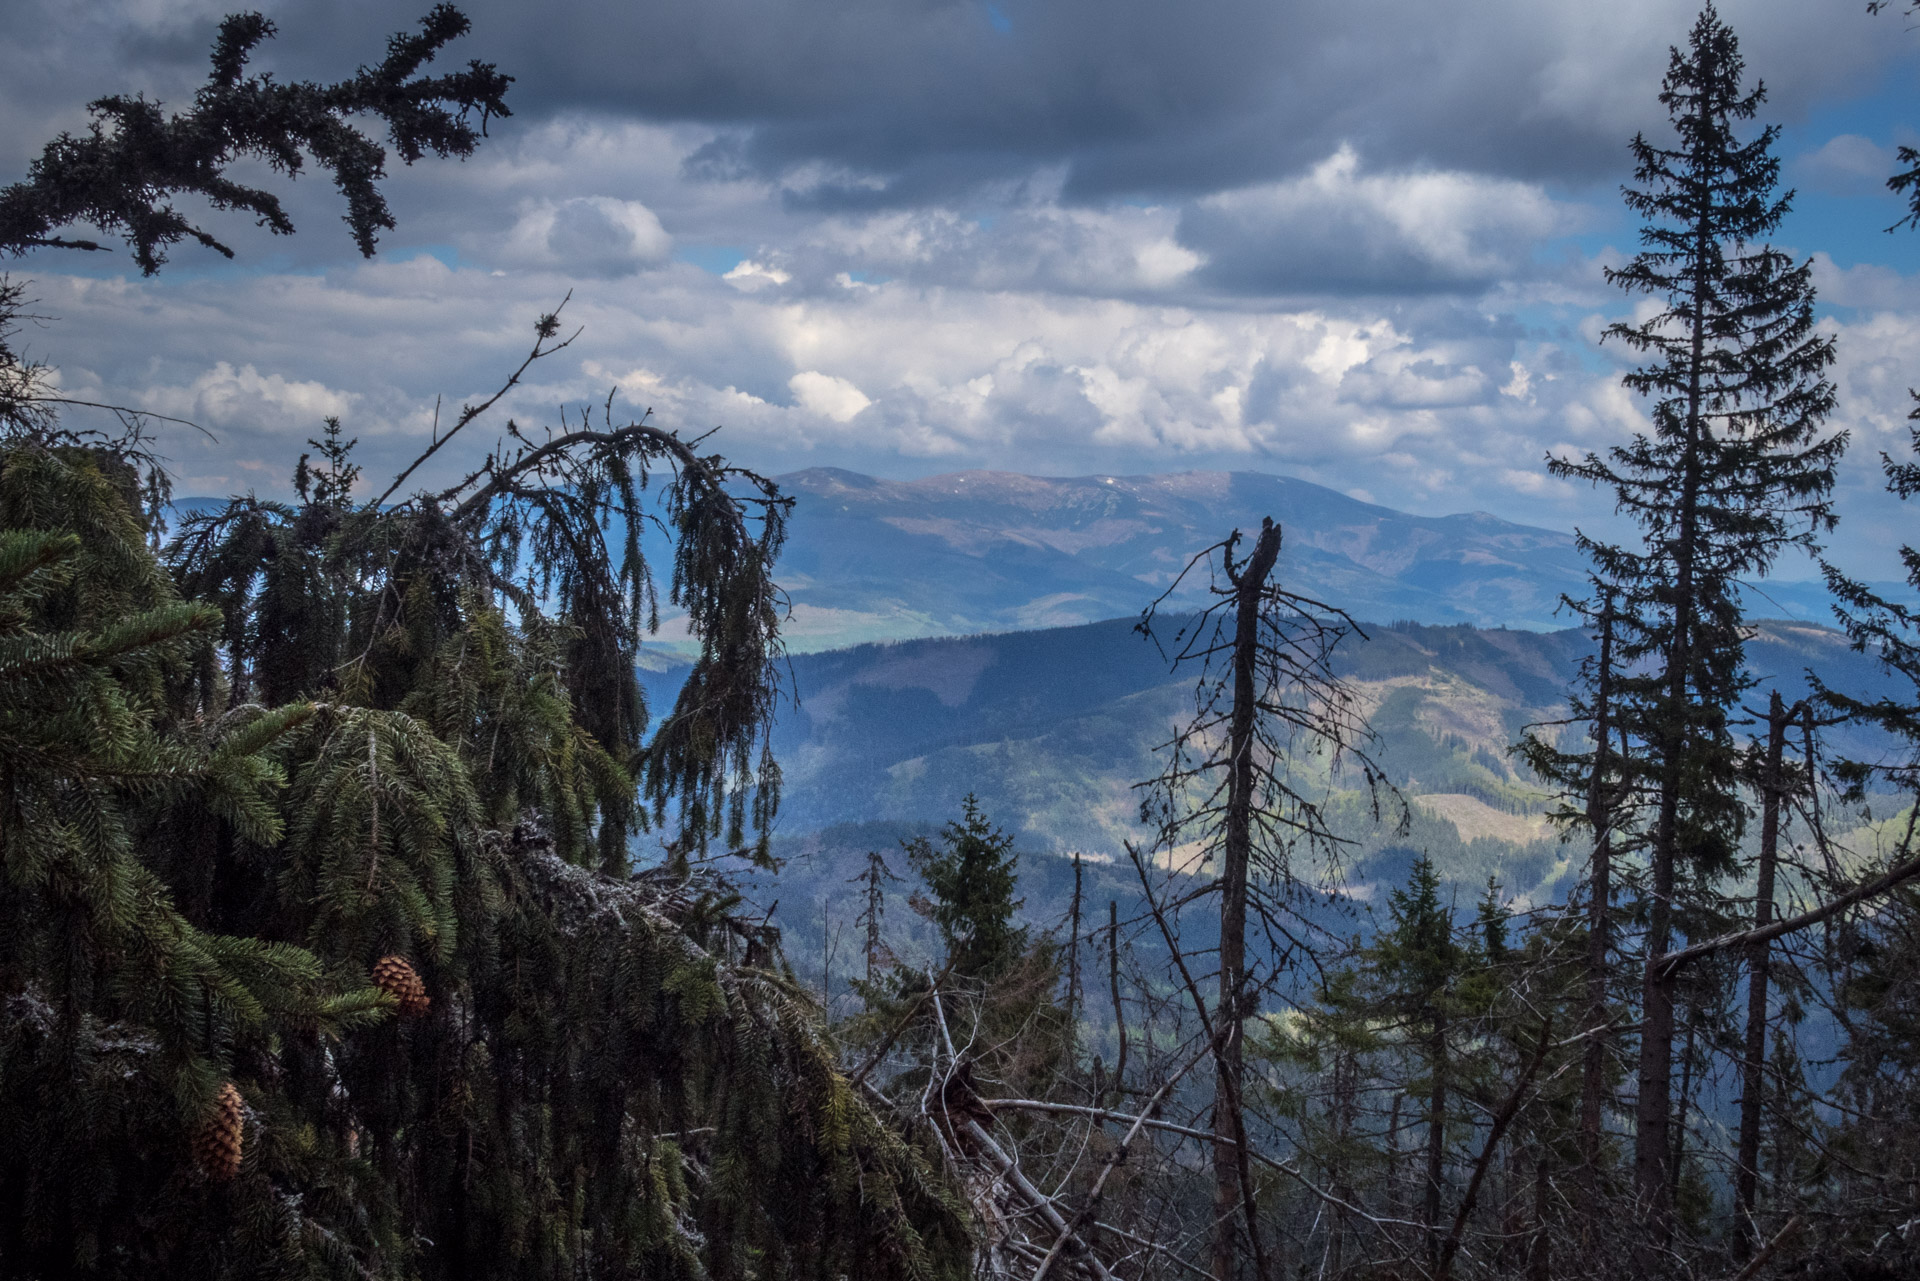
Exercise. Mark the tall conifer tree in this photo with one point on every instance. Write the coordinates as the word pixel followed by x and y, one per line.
pixel 1735 472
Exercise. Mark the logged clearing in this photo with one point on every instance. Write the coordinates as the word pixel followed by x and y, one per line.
pixel 1474 818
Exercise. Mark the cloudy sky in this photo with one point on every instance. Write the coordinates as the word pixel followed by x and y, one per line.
pixel 1360 244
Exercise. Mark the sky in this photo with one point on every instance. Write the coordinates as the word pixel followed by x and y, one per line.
pixel 1359 244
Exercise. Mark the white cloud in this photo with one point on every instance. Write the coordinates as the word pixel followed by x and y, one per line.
pixel 827 396
pixel 244 398
pixel 1848 165
pixel 1340 227
pixel 588 235
pixel 748 274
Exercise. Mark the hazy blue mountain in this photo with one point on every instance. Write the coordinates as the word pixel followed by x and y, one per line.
pixel 1051 728
pixel 980 551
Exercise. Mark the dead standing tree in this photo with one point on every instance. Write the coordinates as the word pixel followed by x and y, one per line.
pixel 1233 797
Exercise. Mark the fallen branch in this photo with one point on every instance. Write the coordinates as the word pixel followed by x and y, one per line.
pixel 1666 966
pixel 1119 1155
pixel 1041 1203
pixel 1203 1136
pixel 1768 1250
pixel 900 1025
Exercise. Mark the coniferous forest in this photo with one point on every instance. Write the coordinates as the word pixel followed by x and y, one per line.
pixel 362 917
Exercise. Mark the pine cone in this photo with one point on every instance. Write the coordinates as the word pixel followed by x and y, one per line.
pixel 217 1143
pixel 393 974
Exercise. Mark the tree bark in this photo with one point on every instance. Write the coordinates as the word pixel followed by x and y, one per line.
pixel 1593 1067
pixel 1437 1141
pixel 1540 1264
pixel 1746 1185
pixel 1248 583
pixel 1119 1011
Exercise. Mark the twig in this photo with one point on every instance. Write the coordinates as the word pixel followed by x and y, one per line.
pixel 118 409
pixel 544 330
pixel 1502 1118
pixel 900 1025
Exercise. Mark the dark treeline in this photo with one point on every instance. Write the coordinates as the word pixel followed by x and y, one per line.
pixel 327 948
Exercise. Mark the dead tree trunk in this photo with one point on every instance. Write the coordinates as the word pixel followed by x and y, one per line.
pixel 1119 1011
pixel 1248 582
pixel 1436 1142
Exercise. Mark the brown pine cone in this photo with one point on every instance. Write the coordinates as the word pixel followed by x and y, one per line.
pixel 393 974
pixel 217 1144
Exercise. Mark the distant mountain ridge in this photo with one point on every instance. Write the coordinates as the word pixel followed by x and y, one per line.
pixel 1051 728
pixel 988 551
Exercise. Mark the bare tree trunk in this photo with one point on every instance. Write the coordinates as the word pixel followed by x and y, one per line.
pixel 1119 1014
pixel 1593 1067
pixel 1684 1104
pixel 1540 1266
pixel 1073 961
pixel 1746 1185
pixel 1436 1141
pixel 1653 1109
pixel 1235 856
pixel 1345 1070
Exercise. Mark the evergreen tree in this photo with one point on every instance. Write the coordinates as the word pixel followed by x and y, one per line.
pixel 319 952
pixel 321 986
pixel 1734 473
pixel 971 877
pixel 1415 965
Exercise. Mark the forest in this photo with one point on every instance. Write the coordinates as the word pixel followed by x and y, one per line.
pixel 364 917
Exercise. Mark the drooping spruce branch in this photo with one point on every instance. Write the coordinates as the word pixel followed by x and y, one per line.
pixel 358 599
pixel 123 173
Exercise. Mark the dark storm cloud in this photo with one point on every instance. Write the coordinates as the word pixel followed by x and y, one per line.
pixel 864 102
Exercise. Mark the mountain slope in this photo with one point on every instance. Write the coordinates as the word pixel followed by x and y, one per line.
pixel 990 551
pixel 1052 728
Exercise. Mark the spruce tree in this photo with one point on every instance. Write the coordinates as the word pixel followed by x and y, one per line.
pixel 971 876
pixel 308 963
pixel 320 951
pixel 1416 966
pixel 1735 472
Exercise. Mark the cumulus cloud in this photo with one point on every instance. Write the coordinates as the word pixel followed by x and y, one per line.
pixel 1847 165
pixel 1123 237
pixel 588 236
pixel 1341 229
pixel 827 396
pixel 244 398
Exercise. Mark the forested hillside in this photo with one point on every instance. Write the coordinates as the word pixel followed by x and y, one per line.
pixel 1052 728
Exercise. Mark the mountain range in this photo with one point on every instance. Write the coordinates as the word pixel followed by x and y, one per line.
pixel 983 551
pixel 1052 728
